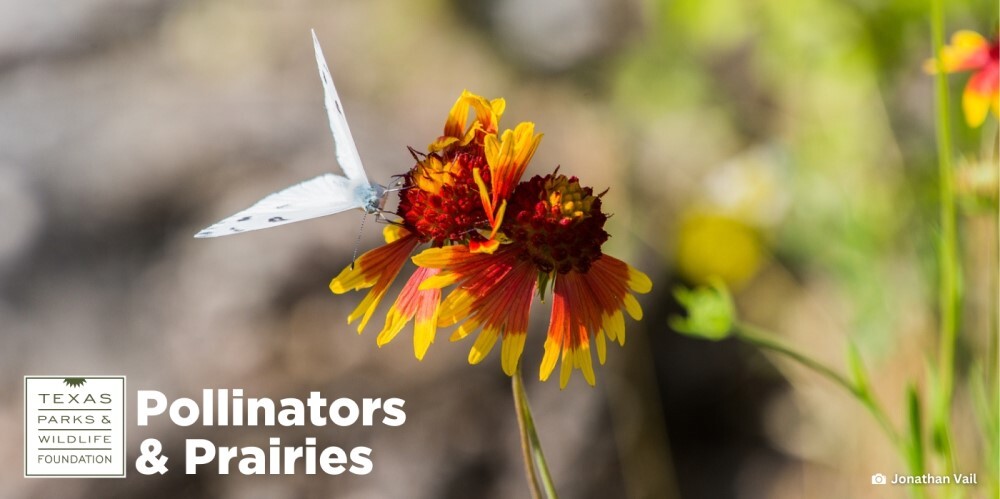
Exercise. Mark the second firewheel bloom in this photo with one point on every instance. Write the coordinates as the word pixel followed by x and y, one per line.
pixel 497 241
pixel 970 51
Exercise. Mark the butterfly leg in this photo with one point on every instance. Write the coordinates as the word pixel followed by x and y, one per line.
pixel 380 217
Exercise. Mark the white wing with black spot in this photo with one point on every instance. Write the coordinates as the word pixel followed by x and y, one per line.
pixel 347 150
pixel 321 196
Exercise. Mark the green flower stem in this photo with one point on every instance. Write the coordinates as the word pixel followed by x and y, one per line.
pixel 947 250
pixel 762 339
pixel 912 451
pixel 531 448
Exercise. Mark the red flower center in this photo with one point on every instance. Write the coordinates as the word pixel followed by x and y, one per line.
pixel 440 200
pixel 558 223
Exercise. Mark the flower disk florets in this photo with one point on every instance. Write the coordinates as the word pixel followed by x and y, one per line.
pixel 557 222
pixel 440 199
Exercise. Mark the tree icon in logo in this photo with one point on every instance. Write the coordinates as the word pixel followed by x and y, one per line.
pixel 75 382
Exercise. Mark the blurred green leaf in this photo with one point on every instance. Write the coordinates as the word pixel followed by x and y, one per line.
pixel 858 375
pixel 710 312
pixel 939 407
pixel 915 449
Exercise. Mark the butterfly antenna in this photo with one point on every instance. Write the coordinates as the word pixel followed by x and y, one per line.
pixel 416 154
pixel 357 242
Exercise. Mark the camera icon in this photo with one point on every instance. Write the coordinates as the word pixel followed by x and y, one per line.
pixel 878 479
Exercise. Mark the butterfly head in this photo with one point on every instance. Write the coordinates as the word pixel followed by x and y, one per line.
pixel 374 197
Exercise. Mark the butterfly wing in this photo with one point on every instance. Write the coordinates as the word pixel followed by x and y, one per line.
pixel 321 196
pixel 347 151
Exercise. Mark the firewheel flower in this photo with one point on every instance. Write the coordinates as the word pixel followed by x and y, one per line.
pixel 499 242
pixel 440 203
pixel 553 233
pixel 970 51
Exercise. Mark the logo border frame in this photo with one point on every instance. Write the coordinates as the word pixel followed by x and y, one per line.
pixel 24 433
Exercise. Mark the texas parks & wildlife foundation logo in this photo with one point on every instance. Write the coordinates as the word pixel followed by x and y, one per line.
pixel 74 426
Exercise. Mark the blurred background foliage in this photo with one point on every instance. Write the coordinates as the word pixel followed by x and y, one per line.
pixel 784 147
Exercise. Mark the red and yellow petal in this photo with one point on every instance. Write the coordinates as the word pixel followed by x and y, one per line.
pixel 573 314
pixel 489 116
pixel 443 257
pixel 493 293
pixel 508 156
pixel 454 125
pixel 967 50
pixel 455 132
pixel 590 302
pixel 375 269
pixel 975 107
pixel 982 92
pixel 418 305
pixel 490 245
pixel 394 233
pixel 432 174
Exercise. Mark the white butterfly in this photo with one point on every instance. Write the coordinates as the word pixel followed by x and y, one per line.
pixel 321 196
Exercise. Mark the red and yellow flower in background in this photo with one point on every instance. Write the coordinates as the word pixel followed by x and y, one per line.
pixel 970 51
pixel 499 241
